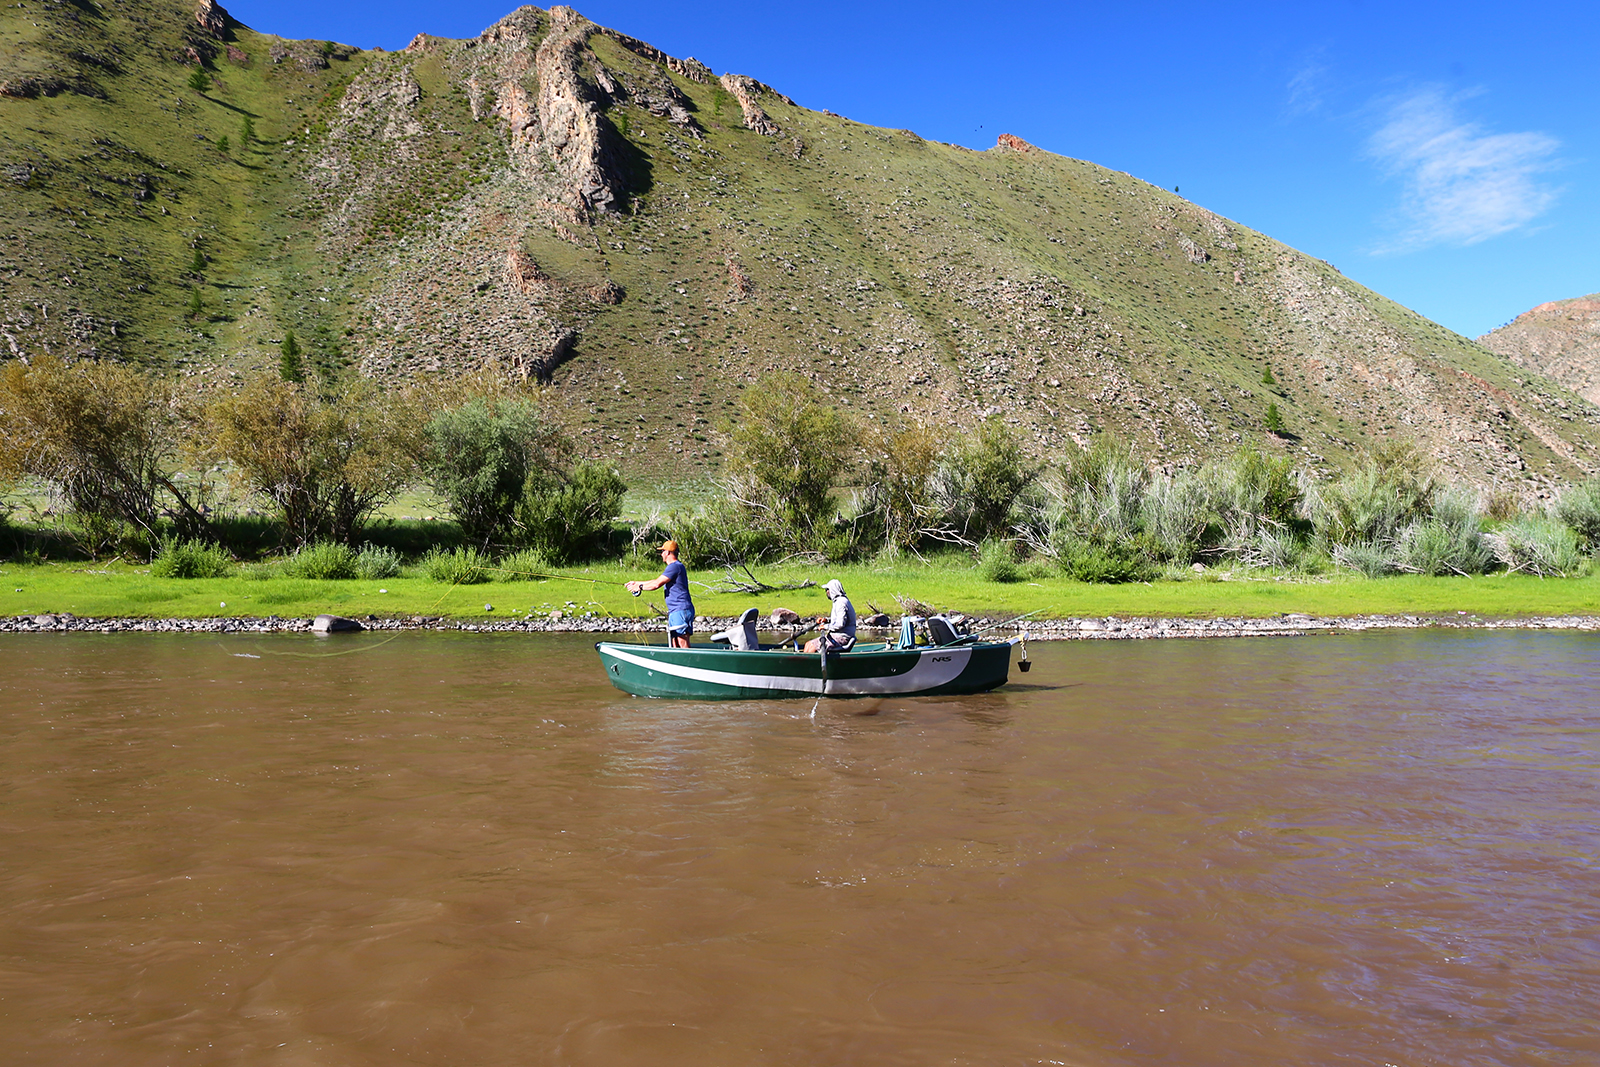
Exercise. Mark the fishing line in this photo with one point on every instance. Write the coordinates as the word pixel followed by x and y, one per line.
pixel 452 588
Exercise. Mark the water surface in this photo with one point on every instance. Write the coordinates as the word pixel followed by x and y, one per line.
pixel 468 849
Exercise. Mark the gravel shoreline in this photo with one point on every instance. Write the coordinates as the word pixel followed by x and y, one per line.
pixel 1075 629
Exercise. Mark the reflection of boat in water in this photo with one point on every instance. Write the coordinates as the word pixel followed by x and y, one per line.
pixel 946 662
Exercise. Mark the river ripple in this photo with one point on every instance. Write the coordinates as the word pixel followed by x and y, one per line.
pixel 468 849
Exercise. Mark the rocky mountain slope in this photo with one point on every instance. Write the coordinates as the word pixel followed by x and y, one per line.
pixel 570 204
pixel 1560 339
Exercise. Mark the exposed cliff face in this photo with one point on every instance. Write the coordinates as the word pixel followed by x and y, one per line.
pixel 1560 339
pixel 745 90
pixel 570 204
pixel 569 111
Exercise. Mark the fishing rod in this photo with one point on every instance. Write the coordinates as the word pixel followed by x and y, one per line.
pixel 1005 622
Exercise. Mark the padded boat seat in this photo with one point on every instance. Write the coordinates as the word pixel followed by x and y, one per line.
pixel 742 634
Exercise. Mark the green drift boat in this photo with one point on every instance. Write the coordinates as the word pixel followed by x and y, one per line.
pixel 712 672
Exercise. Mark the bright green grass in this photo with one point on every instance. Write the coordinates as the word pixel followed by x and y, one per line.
pixel 116 590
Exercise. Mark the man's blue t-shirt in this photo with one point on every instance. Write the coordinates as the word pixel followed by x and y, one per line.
pixel 677 587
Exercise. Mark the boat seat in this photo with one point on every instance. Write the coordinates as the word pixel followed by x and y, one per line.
pixel 742 634
pixel 940 630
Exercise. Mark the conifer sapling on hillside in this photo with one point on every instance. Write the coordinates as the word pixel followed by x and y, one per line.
pixel 1273 420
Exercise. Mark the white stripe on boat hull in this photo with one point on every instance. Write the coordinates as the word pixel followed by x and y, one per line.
pixel 935 667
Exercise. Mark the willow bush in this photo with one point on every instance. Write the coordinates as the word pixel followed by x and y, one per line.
pixel 786 453
pixel 325 461
pixel 480 456
pixel 108 439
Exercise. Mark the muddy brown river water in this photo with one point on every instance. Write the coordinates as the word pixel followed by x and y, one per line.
pixel 469 850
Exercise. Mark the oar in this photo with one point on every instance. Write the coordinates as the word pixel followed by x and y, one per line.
pixel 822 650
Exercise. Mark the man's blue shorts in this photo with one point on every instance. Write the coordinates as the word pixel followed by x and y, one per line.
pixel 680 621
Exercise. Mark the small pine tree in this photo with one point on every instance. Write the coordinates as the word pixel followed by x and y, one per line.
pixel 195 307
pixel 247 132
pixel 197 265
pixel 290 366
pixel 1267 378
pixel 223 144
pixel 1273 421
pixel 199 81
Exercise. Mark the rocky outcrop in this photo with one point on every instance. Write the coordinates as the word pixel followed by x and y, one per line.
pixel 573 136
pixel 1016 144
pixel 301 55
pixel 538 366
pixel 210 17
pixel 663 99
pixel 1560 339
pixel 690 68
pixel 739 283
pixel 1192 251
pixel 524 272
pixel 745 90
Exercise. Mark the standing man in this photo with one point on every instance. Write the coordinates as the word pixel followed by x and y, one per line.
pixel 680 609
pixel 839 630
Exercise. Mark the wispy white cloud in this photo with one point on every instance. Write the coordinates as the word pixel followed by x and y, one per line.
pixel 1306 88
pixel 1462 184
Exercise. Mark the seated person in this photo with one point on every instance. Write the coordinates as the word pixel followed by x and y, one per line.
pixel 839 629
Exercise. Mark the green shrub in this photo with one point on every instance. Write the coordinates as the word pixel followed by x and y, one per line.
pixel 786 452
pixel 897 503
pixel 1368 557
pixel 720 536
pixel 524 566
pixel 1104 563
pixel 567 517
pixel 326 461
pixel 980 478
pixel 191 558
pixel 1447 542
pixel 482 456
pixel 1272 547
pixel 997 562
pixel 1579 508
pixel 457 566
pixel 377 561
pixel 1537 545
pixel 107 438
pixel 1180 516
pixel 1374 502
pixel 322 561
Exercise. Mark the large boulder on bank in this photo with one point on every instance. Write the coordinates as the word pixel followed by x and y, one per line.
pixel 334 624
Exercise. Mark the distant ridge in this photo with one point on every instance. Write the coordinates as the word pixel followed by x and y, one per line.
pixel 570 204
pixel 1560 339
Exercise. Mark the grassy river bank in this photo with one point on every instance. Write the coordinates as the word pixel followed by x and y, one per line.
pixel 121 591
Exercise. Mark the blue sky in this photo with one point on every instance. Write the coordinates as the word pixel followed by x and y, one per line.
pixel 1446 155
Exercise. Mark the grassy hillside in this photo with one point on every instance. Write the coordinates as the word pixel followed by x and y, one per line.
pixel 567 204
